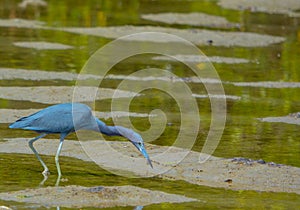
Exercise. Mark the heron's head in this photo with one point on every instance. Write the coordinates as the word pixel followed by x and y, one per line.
pixel 139 144
pixel 136 140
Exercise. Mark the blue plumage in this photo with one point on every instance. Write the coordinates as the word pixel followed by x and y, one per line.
pixel 69 117
pixel 55 119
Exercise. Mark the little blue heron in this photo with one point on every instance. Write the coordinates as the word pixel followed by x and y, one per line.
pixel 67 118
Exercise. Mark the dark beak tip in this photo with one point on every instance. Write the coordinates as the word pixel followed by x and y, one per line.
pixel 150 163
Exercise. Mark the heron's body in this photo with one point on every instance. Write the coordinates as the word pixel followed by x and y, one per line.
pixel 56 119
pixel 69 117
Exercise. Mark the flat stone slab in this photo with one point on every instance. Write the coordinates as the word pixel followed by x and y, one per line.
pixel 287 7
pixel 193 19
pixel 61 94
pixel 43 45
pixel 100 196
pixel 215 172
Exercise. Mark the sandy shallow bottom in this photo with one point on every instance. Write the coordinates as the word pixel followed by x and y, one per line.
pixel 267 84
pixel 193 19
pixel 11 115
pixel 202 59
pixel 292 118
pixel 26 74
pixel 196 36
pixel 43 45
pixel 62 94
pixel 21 23
pixel 215 172
pixel 100 196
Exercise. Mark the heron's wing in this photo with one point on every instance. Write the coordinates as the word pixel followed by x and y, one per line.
pixel 46 121
pixel 56 119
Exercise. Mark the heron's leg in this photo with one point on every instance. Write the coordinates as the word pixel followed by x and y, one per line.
pixel 62 137
pixel 46 170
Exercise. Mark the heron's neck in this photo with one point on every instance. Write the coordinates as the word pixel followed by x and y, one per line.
pixel 114 130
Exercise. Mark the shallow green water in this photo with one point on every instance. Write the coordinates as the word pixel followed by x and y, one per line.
pixel 243 136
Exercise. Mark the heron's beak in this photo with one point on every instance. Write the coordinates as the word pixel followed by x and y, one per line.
pixel 141 148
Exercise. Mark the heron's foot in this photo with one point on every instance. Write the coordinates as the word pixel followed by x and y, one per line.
pixel 46 172
pixel 43 181
pixel 58 181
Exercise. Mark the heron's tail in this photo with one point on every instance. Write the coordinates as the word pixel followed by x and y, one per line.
pixel 20 123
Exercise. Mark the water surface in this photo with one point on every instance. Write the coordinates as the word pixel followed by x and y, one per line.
pixel 243 136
